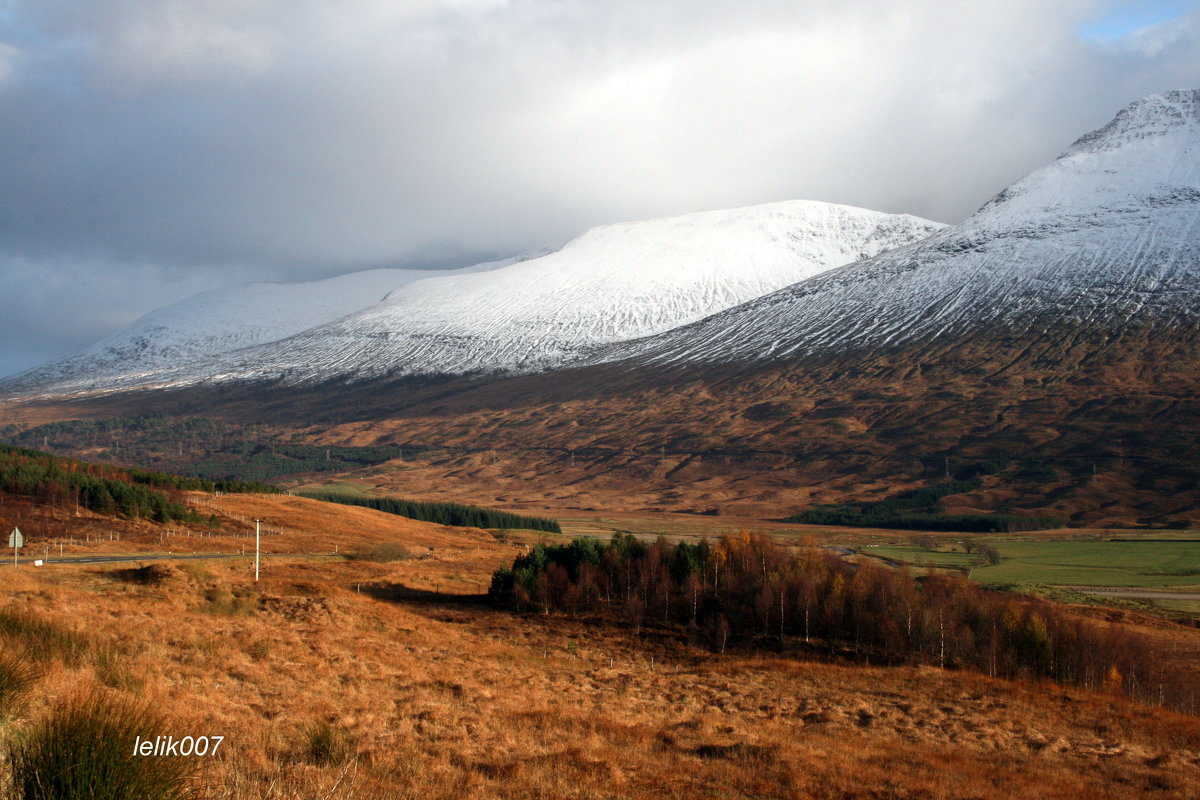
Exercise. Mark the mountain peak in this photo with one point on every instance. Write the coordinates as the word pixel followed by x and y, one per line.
pixel 1102 238
pixel 1148 117
pixel 1144 157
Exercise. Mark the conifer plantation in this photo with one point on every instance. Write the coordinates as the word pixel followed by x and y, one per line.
pixel 131 493
pixel 455 514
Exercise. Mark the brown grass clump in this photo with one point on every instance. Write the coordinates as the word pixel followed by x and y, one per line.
pixel 366 680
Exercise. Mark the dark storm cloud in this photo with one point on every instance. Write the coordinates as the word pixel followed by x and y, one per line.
pixel 149 149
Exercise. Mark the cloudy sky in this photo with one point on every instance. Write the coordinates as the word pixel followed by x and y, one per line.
pixel 150 149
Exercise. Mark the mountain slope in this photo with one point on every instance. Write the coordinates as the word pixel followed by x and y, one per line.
pixel 1057 330
pixel 212 323
pixel 615 282
pixel 1109 233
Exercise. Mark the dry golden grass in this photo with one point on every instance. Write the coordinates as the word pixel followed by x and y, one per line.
pixel 440 696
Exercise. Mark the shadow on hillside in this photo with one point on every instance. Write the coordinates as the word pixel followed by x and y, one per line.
pixel 410 595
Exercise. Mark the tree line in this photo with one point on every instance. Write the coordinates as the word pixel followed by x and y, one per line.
pixel 920 509
pixel 746 588
pixel 104 489
pixel 441 513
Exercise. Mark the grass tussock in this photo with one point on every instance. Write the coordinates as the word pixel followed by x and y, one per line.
pixel 326 745
pixel 85 749
pixel 17 675
pixel 42 639
pixel 113 668
pixel 221 601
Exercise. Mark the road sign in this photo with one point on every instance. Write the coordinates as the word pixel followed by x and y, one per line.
pixel 16 538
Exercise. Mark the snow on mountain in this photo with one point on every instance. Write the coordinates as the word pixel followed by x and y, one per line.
pixel 613 283
pixel 216 322
pixel 1109 231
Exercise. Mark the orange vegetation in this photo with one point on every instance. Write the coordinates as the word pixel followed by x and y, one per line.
pixel 438 695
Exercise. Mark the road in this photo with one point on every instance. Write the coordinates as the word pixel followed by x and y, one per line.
pixel 151 557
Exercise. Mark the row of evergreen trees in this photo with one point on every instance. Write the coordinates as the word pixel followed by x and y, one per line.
pixel 191 483
pixel 746 586
pixel 258 461
pixel 920 509
pixel 441 513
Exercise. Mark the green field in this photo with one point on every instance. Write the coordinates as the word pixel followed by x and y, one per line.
pixel 353 488
pixel 1182 606
pixel 911 554
pixel 1140 564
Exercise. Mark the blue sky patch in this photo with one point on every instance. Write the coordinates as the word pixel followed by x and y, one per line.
pixel 1125 18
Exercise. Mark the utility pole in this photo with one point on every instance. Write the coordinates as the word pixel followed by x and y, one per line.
pixel 257 525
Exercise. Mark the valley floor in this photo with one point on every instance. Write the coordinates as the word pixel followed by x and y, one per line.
pixel 429 692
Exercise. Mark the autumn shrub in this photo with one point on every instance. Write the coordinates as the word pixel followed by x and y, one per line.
pixel 740 589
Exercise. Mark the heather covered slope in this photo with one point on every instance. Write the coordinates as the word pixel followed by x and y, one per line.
pixel 1057 329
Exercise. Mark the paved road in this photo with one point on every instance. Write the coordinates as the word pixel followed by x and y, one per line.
pixel 150 557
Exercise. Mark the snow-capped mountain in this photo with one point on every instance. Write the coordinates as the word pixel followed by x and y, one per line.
pixel 614 283
pixel 1107 233
pixel 216 322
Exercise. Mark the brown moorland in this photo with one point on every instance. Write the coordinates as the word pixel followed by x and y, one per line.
pixel 363 679
pixel 1108 412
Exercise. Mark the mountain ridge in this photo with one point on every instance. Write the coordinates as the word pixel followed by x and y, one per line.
pixel 1072 231
pixel 613 282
